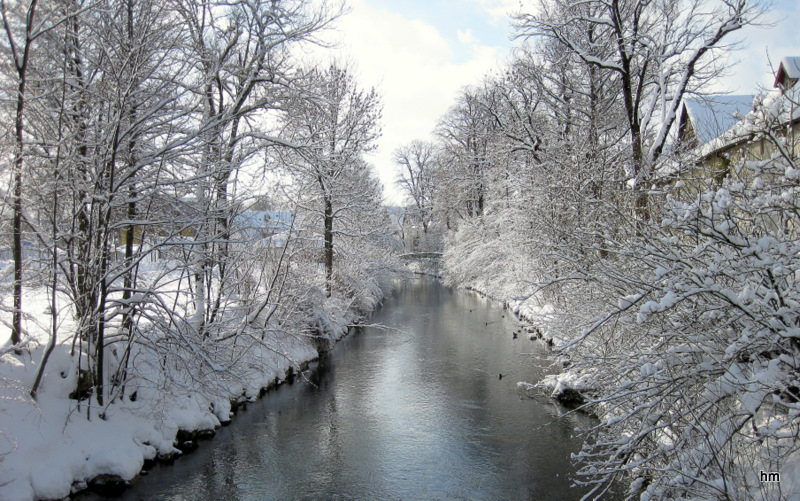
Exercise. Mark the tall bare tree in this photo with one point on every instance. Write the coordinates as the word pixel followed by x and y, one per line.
pixel 245 73
pixel 658 52
pixel 334 124
pixel 21 31
pixel 417 162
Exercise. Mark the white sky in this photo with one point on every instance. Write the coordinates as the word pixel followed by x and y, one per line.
pixel 419 53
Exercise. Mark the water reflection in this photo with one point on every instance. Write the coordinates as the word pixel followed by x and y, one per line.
pixel 415 411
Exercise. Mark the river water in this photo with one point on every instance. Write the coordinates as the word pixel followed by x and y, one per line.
pixel 414 410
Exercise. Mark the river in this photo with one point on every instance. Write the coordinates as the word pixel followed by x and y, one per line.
pixel 415 409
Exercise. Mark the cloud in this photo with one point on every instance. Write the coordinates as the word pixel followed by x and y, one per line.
pixel 414 67
pixel 500 9
pixel 751 68
pixel 466 36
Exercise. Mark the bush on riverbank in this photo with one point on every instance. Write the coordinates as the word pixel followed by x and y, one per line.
pixel 686 335
pixel 173 390
pixel 677 308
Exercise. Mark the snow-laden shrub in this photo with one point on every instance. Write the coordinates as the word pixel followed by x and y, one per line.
pixel 364 273
pixel 484 255
pixel 698 382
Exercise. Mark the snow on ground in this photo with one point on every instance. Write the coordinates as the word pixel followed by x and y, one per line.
pixel 53 445
pixel 561 384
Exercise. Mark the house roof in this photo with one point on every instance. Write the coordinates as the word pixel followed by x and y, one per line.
pixel 713 115
pixel 789 68
pixel 774 109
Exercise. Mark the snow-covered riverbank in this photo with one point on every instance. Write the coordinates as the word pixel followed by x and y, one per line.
pixel 748 388
pixel 55 445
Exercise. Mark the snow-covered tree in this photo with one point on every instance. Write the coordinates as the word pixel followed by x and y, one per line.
pixel 333 124
pixel 243 75
pixel 656 54
pixel 21 29
pixel 697 385
pixel 145 114
pixel 465 132
pixel 417 162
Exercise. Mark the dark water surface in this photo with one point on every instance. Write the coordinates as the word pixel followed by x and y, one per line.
pixel 415 411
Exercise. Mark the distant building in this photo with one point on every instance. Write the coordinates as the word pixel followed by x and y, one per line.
pixel 270 228
pixel 167 220
pixel 788 73
pixel 262 225
pixel 723 131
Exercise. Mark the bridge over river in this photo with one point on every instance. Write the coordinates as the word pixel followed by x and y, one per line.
pixel 421 256
pixel 423 263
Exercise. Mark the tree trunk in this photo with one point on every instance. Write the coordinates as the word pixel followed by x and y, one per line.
pixel 21 65
pixel 16 325
pixel 127 316
pixel 328 244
